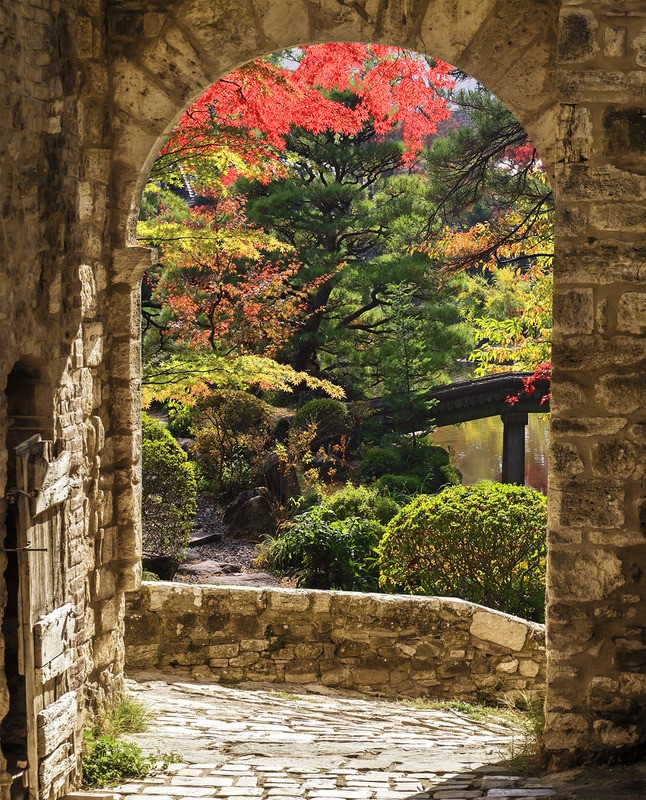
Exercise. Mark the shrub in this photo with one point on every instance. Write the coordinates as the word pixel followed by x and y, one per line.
pixel 327 553
pixel 108 761
pixel 169 492
pixel 363 502
pixel 484 543
pixel 180 418
pixel 405 468
pixel 233 431
pixel 331 417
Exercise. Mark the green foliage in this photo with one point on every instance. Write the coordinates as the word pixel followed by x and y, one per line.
pixel 408 467
pixel 362 501
pixel 108 762
pixel 418 340
pixel 234 430
pixel 128 715
pixel 327 553
pixel 331 418
pixel 169 492
pixel 179 418
pixel 189 375
pixel 511 316
pixel 484 543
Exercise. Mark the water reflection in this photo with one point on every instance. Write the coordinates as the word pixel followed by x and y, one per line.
pixel 476 447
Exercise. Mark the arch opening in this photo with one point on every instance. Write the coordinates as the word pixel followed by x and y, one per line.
pixel 187 189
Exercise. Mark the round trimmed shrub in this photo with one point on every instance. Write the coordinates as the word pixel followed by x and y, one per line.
pixel 233 431
pixel 169 492
pixel 362 501
pixel 331 417
pixel 483 543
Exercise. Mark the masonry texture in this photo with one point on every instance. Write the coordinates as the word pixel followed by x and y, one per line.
pixel 89 88
pixel 390 645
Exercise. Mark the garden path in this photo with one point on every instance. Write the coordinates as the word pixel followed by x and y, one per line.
pixel 271 745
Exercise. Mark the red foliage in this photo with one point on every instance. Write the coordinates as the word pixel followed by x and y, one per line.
pixel 219 283
pixel 252 109
pixel 543 372
pixel 222 289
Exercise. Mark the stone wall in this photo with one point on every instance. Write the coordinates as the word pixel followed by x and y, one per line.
pixel 88 90
pixel 55 319
pixel 391 645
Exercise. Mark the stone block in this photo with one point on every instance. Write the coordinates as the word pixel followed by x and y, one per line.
pixel 500 629
pixel 615 459
pixel 589 182
pixel 622 393
pixel 631 313
pixel 624 131
pixel 584 576
pixel 289 600
pixel 577 31
pixel 275 17
pixel 597 352
pixel 621 217
pixel 614 44
pixel 574 311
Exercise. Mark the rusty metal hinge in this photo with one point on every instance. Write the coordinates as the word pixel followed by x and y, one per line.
pixel 11 495
pixel 21 549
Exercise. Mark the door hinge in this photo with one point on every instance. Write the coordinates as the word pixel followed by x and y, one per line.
pixel 11 495
pixel 21 549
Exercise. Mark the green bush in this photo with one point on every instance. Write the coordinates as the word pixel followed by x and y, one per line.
pixel 180 418
pixel 233 432
pixel 362 501
pixel 484 543
pixel 169 492
pixel 327 553
pixel 108 761
pixel 331 417
pixel 404 468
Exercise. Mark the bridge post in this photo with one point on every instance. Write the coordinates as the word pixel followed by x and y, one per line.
pixel 513 446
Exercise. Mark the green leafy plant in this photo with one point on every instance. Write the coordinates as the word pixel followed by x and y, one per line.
pixel 108 761
pixel 407 468
pixel 169 492
pixel 324 552
pixel 362 501
pixel 484 543
pixel 233 432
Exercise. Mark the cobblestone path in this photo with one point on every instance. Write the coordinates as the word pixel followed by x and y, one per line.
pixel 265 744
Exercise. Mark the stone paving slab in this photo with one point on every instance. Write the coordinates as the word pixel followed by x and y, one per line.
pixel 271 745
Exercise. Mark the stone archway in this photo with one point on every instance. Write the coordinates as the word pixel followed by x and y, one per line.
pixel 568 75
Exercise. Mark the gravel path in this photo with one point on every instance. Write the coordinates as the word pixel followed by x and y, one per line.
pixel 228 560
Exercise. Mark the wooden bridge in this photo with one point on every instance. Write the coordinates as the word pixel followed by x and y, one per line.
pixel 487 397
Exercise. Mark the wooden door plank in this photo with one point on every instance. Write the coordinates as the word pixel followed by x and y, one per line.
pixel 52 634
pixel 56 723
pixel 26 621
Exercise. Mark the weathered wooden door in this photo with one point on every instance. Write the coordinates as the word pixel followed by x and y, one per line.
pixel 46 619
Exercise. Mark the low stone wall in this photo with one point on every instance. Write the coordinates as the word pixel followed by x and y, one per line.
pixel 392 645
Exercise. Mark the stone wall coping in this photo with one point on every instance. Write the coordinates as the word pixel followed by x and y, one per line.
pixel 445 603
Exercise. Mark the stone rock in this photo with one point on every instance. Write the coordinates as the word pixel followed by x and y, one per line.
pixel 250 517
pixel 280 480
pixel 500 629
pixel 201 569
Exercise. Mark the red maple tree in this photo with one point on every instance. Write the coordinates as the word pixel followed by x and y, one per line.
pixel 217 281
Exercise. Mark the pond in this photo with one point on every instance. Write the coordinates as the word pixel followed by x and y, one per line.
pixel 476 449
